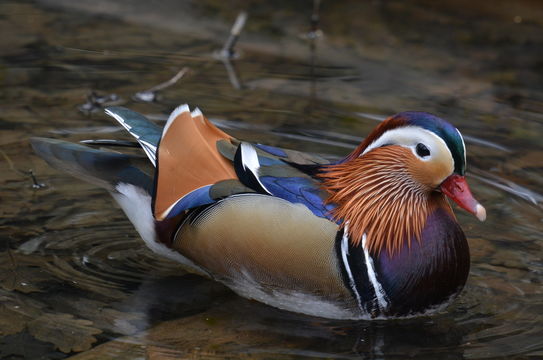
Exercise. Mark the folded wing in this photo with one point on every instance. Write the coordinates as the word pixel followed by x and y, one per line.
pixel 188 161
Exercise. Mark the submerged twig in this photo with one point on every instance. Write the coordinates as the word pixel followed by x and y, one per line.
pixel 35 183
pixel 232 74
pixel 150 95
pixel 315 31
pixel 228 51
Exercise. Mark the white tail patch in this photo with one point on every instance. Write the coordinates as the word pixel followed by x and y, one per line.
pixel 136 204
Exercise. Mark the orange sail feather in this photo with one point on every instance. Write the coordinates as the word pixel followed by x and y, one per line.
pixel 188 158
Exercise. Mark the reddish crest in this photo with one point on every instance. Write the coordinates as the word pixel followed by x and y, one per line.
pixel 388 124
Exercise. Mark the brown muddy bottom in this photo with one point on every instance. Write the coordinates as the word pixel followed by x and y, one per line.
pixel 76 280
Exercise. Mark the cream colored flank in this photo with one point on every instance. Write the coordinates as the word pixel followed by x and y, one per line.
pixel 281 246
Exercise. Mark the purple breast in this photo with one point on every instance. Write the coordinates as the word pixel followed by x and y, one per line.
pixel 430 271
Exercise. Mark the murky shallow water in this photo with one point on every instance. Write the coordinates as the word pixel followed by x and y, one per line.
pixel 76 278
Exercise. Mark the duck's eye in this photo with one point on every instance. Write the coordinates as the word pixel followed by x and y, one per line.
pixel 422 150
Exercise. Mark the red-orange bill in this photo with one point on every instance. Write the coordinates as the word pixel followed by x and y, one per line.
pixel 456 188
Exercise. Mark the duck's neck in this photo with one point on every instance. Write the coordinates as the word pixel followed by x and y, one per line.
pixel 378 198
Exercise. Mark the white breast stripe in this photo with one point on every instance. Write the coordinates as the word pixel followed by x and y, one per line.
pixel 379 291
pixel 344 253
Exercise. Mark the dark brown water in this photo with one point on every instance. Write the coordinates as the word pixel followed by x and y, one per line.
pixel 75 279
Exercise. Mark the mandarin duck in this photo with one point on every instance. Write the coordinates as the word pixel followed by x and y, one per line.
pixel 369 236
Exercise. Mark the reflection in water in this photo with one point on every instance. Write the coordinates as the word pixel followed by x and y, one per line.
pixel 76 277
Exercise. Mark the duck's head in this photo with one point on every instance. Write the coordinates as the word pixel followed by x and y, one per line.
pixel 401 171
pixel 438 159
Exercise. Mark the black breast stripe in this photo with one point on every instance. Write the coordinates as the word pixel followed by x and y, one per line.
pixel 354 274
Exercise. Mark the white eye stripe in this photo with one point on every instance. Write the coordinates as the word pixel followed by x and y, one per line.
pixel 409 137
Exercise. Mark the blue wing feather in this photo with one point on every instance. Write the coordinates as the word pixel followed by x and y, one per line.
pixel 272 150
pixel 275 175
pixel 299 190
pixel 192 200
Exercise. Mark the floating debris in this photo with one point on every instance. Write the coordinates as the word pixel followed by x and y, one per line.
pixel 151 94
pixel 97 102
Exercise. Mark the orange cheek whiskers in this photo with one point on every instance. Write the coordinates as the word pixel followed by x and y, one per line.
pixel 377 195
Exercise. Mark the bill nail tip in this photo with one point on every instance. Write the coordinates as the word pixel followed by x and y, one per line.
pixel 480 212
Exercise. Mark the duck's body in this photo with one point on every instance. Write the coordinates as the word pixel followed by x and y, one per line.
pixel 365 237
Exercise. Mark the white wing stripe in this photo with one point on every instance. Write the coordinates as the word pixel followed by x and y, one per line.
pixel 249 161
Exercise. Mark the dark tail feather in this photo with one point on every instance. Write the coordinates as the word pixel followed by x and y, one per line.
pixel 102 168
